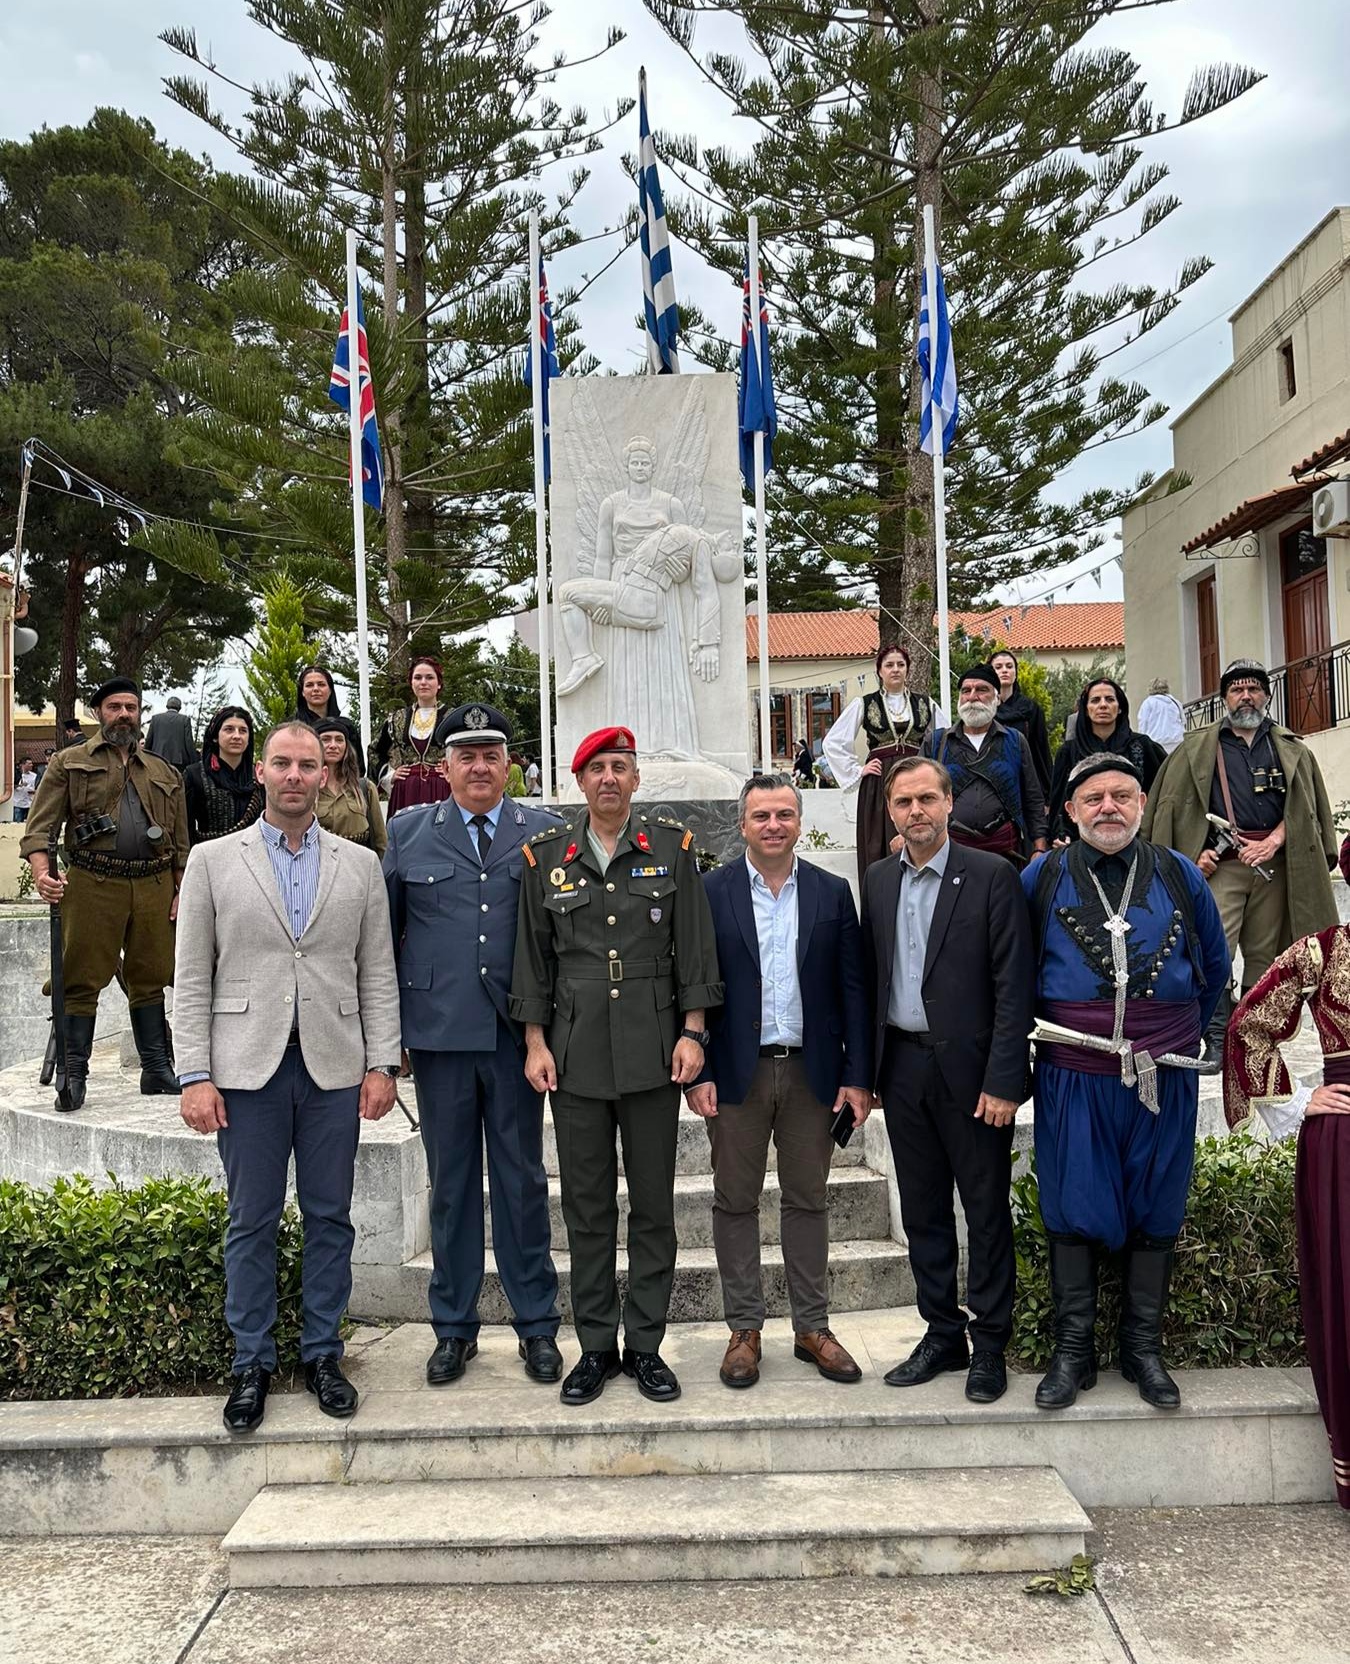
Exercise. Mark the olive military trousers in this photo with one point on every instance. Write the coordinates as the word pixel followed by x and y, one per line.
pixel 102 918
pixel 588 1166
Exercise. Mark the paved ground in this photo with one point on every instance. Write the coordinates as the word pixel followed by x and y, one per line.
pixel 1178 1586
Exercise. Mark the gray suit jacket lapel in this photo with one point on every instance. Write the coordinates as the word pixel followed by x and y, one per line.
pixel 259 863
pixel 329 856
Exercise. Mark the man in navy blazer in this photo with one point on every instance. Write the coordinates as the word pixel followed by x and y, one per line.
pixel 452 871
pixel 791 1046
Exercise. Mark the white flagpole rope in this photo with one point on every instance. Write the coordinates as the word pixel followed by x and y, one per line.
pixel 358 506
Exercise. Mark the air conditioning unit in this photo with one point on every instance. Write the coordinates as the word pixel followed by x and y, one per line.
pixel 1248 547
pixel 1331 509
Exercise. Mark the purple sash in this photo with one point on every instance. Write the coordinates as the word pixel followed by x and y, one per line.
pixel 1149 1026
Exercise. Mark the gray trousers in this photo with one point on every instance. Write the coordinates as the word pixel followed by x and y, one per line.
pixel 288 1115
pixel 780 1104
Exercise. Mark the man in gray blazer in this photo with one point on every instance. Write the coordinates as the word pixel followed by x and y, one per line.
pixel 286 1037
pixel 453 874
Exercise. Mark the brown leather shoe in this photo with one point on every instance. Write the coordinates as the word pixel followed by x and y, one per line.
pixel 740 1366
pixel 824 1351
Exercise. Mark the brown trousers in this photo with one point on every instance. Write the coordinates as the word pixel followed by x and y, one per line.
pixel 103 919
pixel 1255 914
pixel 780 1105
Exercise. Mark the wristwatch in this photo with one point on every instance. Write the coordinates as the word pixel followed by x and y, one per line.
pixel 393 1070
pixel 700 1037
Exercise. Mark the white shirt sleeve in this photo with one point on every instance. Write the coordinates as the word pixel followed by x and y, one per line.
pixel 839 745
pixel 1285 1117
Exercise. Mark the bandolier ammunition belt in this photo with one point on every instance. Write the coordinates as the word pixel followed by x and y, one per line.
pixel 117 866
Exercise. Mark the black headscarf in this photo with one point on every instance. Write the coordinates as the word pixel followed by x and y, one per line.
pixel 302 711
pixel 1144 754
pixel 339 725
pixel 238 781
pixel 1016 709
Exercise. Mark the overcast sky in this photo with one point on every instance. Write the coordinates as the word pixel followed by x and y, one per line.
pixel 1253 180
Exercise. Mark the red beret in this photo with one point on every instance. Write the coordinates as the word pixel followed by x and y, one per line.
pixel 603 739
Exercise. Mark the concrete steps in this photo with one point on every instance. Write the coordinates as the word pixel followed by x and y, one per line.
pixel 859 1210
pixel 864 1275
pixel 677 1528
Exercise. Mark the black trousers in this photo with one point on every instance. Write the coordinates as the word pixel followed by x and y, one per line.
pixel 937 1144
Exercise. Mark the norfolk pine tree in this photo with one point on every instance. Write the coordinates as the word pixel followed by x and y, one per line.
pixel 280 651
pixel 1026 137
pixel 424 125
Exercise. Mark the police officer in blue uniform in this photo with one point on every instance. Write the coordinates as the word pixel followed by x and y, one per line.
pixel 453 874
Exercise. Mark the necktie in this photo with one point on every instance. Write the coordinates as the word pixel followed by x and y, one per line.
pixel 483 828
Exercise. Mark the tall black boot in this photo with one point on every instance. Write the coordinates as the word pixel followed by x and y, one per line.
pixel 151 1034
pixel 1215 1033
pixel 79 1043
pixel 1146 1277
pixel 1073 1283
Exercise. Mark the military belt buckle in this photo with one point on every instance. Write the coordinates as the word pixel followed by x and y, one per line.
pixel 616 970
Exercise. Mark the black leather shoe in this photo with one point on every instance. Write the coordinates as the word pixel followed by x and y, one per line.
pixel 987 1380
pixel 450 1359
pixel 335 1393
pixel 589 1376
pixel 543 1361
pixel 655 1380
pixel 928 1359
pixel 248 1399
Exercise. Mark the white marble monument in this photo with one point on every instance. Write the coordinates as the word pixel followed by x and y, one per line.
pixel 648 579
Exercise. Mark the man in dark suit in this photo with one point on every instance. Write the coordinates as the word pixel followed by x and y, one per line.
pixel 453 874
pixel 791 1047
pixel 170 735
pixel 947 946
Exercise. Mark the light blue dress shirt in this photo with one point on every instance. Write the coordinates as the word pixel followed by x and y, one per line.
pixel 780 1010
pixel 919 888
pixel 493 815
pixel 297 872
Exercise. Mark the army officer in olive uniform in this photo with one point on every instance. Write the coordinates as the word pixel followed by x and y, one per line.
pixel 126 846
pixel 453 871
pixel 615 968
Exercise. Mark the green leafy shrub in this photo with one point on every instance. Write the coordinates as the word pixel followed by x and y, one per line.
pixel 1235 1286
pixel 111 1293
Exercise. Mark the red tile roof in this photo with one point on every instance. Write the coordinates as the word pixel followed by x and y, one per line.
pixel 1069 626
pixel 1332 451
pixel 1253 514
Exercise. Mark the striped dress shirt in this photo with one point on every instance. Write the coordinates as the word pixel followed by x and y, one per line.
pixel 297 872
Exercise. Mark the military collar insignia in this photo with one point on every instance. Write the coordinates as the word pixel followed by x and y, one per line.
pixel 644 843
pixel 570 855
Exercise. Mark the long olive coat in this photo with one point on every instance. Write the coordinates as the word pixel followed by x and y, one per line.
pixel 1179 802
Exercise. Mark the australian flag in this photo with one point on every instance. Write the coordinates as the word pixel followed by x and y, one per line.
pixel 548 358
pixel 757 411
pixel 340 391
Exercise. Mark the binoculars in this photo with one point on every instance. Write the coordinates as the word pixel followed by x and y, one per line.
pixel 98 826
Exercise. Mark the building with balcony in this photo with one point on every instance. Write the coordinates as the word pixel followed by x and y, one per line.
pixel 1230 564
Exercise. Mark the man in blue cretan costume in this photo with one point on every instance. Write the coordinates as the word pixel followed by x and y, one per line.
pixel 1131 963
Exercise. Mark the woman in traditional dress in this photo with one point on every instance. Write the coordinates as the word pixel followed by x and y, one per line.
pixel 315 695
pixel 349 805
pixel 1103 725
pixel 406 746
pixel 221 791
pixel 1019 710
pixel 1316 970
pixel 895 722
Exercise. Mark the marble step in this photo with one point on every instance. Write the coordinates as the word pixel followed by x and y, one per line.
pixel 859 1210
pixel 668 1528
pixel 864 1275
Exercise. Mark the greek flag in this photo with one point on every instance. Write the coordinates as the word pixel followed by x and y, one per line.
pixel 340 391
pixel 658 282
pixel 548 361
pixel 757 411
pixel 938 404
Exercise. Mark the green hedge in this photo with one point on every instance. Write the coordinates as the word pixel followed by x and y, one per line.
pixel 1235 1285
pixel 109 1293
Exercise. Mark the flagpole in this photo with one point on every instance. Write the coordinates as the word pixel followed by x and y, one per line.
pixel 358 504
pixel 546 780
pixel 761 534
pixel 939 476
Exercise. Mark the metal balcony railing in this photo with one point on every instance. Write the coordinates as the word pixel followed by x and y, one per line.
pixel 1309 695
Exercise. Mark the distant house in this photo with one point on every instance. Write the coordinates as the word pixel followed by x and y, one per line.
pixel 1235 565
pixel 820 660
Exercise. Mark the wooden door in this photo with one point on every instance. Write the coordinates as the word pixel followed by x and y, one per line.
pixel 1307 630
pixel 1207 627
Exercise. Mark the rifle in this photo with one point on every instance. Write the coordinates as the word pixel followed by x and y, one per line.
pixel 1225 839
pixel 54 1065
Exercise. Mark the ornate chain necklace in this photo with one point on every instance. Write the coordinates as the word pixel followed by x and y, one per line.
pixel 1117 926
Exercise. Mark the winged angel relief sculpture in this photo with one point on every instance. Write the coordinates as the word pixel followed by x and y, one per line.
pixel 649 572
